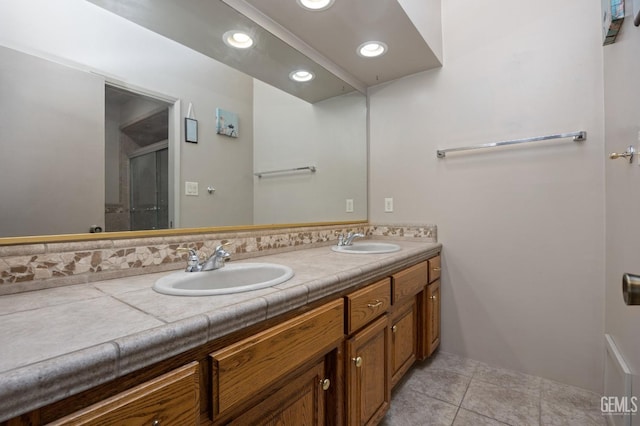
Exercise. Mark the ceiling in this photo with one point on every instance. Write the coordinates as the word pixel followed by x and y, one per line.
pixel 289 37
pixel 337 32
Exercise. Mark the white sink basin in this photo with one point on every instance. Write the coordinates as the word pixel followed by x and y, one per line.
pixel 233 278
pixel 365 247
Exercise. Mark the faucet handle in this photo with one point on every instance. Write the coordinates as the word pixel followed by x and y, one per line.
pixel 193 261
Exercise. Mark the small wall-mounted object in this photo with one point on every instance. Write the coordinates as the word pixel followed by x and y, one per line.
pixel 211 189
pixel 191 130
pixel 94 229
pixel 631 289
pixel 226 123
pixel 612 18
pixel 629 153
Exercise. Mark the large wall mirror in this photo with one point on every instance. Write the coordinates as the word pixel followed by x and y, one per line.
pixel 92 122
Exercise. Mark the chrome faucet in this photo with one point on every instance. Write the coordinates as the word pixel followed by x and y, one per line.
pixel 215 261
pixel 348 239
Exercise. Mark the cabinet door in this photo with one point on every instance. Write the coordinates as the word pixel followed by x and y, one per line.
pixel 171 399
pixel 432 326
pixel 368 374
pixel 434 268
pixel 300 402
pixel 403 340
pixel 244 369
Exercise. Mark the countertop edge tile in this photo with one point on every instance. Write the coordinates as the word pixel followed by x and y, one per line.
pixel 48 381
pixel 286 300
pixel 236 317
pixel 25 388
pixel 145 348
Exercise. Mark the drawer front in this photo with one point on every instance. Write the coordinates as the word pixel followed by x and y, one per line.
pixel 366 304
pixel 409 282
pixel 249 366
pixel 434 269
pixel 171 399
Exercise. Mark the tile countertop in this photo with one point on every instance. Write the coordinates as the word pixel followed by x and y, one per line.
pixel 58 342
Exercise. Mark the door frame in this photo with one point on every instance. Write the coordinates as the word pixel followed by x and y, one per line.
pixel 173 140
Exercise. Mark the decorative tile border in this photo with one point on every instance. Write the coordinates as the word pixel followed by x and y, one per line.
pixel 37 266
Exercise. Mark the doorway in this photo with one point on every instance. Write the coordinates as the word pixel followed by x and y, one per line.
pixel 137 174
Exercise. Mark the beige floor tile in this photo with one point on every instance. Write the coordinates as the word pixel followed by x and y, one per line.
pixel 444 385
pixel 447 361
pixel 563 415
pixel 510 379
pixel 503 404
pixel 571 396
pixel 409 408
pixel 469 418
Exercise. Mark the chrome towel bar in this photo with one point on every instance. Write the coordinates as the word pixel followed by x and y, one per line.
pixel 312 169
pixel 577 137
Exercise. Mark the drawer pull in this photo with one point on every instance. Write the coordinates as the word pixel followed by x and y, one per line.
pixel 326 383
pixel 374 305
pixel 357 361
pixel 436 269
pixel 394 328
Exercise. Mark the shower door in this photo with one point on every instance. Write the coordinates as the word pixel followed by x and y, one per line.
pixel 149 190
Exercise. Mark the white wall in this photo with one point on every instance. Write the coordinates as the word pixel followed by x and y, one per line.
pixel 330 135
pixel 79 33
pixel 50 134
pixel 522 227
pixel 622 124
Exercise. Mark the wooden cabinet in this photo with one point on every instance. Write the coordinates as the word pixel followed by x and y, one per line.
pixel 432 323
pixel 244 369
pixel 429 306
pixel 300 402
pixel 295 371
pixel 409 282
pixel 404 339
pixel 170 399
pixel 367 304
pixel 368 374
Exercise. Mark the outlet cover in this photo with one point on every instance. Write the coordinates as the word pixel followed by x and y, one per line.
pixel 388 205
pixel 191 188
pixel 349 205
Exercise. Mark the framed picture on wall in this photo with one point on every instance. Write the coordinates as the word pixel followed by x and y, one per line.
pixel 191 130
pixel 226 123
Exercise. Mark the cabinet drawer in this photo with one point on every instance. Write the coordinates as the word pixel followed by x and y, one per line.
pixel 434 269
pixel 250 365
pixel 409 282
pixel 171 399
pixel 366 304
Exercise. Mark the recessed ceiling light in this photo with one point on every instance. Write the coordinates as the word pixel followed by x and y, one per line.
pixel 237 39
pixel 315 4
pixel 371 49
pixel 301 75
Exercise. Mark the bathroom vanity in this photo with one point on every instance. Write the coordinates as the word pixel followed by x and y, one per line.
pixel 326 347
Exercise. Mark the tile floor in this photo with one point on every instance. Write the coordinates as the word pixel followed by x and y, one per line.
pixel 450 390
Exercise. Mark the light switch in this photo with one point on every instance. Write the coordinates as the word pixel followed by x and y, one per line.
pixel 349 205
pixel 191 188
pixel 388 205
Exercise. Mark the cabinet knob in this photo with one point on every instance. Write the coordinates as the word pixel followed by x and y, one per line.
pixel 374 305
pixel 326 384
pixel 156 423
pixel 433 297
pixel 394 328
pixel 357 361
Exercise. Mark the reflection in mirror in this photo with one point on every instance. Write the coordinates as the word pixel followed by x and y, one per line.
pixel 61 175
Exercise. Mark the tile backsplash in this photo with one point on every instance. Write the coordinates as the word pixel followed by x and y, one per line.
pixel 37 266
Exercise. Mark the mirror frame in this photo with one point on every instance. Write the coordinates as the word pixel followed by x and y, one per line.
pixel 65 238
